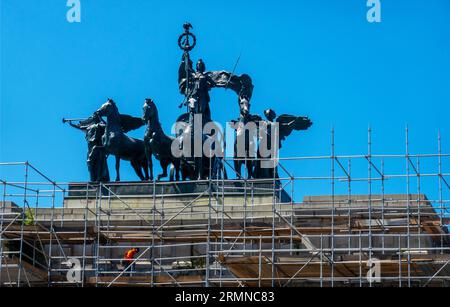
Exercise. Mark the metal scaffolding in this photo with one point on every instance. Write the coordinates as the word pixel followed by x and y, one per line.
pixel 378 220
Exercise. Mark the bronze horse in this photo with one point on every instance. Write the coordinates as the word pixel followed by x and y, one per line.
pixel 118 144
pixel 277 129
pixel 245 141
pixel 158 144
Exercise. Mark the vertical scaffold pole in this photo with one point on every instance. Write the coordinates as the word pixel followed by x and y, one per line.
pixel 321 260
pixel 332 203
pixel 291 238
pixel 208 247
pixel 408 207
pixel 51 237
pixel 2 257
pixel 22 225
pixel 382 206
pixel 441 202
pixel 98 204
pixel 360 258
pixel 349 203
pixel 260 262
pixel 369 184
pixel 245 207
pixel 222 218
pixel 400 257
pixel 273 223
pixel 419 204
pixel 152 250
pixel 86 217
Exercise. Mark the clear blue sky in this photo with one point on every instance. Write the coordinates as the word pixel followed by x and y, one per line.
pixel 319 58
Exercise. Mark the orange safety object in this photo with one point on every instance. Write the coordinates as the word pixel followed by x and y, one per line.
pixel 129 255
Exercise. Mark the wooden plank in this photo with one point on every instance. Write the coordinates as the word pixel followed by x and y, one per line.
pixel 145 281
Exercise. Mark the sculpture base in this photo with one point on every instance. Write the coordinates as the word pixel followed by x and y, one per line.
pixel 180 201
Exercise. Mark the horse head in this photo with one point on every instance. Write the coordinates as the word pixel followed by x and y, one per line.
pixel 150 110
pixel 111 112
pixel 107 109
pixel 151 117
pixel 244 106
pixel 270 115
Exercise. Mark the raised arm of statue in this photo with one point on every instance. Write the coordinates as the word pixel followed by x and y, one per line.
pixel 184 72
pixel 78 127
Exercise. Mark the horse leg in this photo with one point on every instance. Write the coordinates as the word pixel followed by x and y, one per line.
pixel 249 165
pixel 184 168
pixel 137 169
pixel 225 174
pixel 150 168
pixel 176 165
pixel 257 167
pixel 198 168
pixel 164 165
pixel 117 169
pixel 148 155
pixel 175 170
pixel 237 168
pixel 144 166
pixel 172 173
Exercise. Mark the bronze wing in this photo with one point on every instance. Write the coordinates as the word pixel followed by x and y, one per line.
pixel 130 123
pixel 289 123
pixel 241 85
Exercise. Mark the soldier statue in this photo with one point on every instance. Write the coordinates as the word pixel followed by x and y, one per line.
pixel 97 163
pixel 198 84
